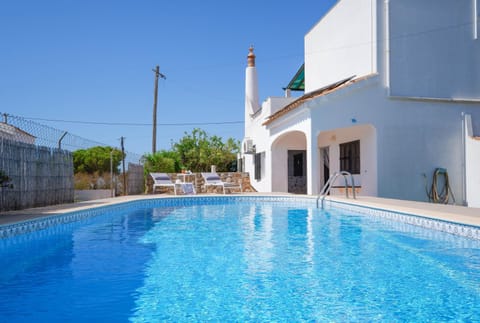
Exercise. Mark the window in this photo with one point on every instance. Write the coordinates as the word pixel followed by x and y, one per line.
pixel 350 157
pixel 258 166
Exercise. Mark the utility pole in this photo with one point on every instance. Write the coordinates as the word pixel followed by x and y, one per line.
pixel 112 190
pixel 155 95
pixel 123 165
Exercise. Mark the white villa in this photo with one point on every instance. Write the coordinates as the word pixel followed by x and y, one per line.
pixel 391 93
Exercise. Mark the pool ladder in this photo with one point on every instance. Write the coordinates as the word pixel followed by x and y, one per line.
pixel 328 185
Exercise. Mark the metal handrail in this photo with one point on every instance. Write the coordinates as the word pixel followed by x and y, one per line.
pixel 328 185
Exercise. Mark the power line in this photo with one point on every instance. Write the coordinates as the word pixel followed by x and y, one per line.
pixel 136 124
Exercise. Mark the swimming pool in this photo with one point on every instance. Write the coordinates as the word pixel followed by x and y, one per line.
pixel 236 259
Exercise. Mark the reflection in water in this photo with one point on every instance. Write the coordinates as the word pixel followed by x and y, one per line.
pixel 300 229
pixel 297 222
pixel 258 244
pixel 160 213
pixel 75 272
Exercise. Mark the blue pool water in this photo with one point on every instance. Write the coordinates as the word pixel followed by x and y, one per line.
pixel 238 261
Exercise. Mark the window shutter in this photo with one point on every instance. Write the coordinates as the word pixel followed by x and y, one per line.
pixel 258 166
pixel 350 157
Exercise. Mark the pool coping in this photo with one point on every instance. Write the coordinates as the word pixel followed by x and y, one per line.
pixel 458 220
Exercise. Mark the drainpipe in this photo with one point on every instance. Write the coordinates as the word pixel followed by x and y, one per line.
pixel 386 38
pixel 475 19
pixel 464 160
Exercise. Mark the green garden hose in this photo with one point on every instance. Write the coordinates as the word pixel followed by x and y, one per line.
pixel 442 196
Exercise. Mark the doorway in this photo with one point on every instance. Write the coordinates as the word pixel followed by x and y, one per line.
pixel 324 165
pixel 297 179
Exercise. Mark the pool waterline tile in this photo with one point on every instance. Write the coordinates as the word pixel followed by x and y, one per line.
pixel 464 230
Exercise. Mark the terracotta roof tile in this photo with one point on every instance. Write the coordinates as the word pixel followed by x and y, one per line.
pixel 311 95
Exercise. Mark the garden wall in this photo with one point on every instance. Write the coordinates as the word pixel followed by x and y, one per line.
pixel 198 182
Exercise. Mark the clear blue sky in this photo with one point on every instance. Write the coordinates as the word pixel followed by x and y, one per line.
pixel 92 61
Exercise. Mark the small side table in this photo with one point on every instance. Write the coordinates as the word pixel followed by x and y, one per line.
pixel 184 176
pixel 187 186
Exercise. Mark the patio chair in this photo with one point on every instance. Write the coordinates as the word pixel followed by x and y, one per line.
pixel 162 180
pixel 212 179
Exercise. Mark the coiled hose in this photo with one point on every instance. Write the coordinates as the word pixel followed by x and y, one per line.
pixel 442 196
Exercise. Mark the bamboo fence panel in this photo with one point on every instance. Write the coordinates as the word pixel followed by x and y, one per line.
pixel 40 175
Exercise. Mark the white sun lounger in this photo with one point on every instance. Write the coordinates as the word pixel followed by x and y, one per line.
pixel 162 180
pixel 212 179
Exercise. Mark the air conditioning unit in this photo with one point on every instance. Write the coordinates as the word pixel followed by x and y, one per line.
pixel 248 147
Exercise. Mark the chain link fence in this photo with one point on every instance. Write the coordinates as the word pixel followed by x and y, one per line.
pixel 24 130
pixel 31 174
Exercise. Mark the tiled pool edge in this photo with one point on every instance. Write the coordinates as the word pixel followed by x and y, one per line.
pixel 23 227
pixel 464 230
pixel 459 229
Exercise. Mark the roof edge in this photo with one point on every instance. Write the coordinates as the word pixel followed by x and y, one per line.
pixel 316 93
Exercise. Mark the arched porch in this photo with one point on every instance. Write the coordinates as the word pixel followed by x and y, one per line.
pixel 353 149
pixel 289 163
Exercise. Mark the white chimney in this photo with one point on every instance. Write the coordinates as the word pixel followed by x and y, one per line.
pixel 251 85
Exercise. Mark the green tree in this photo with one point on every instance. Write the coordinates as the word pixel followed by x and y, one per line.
pixel 162 161
pixel 96 159
pixel 198 151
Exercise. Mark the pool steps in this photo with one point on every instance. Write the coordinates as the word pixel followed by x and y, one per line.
pixel 328 185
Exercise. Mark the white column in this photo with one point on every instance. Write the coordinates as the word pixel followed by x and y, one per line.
pixel 313 164
pixel 268 168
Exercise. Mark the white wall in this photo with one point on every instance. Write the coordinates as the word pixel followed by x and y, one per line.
pixel 341 44
pixel 262 140
pixel 472 162
pixel 273 104
pixel 413 136
pixel 433 52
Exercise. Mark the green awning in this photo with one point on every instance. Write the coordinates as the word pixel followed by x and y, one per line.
pixel 298 81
